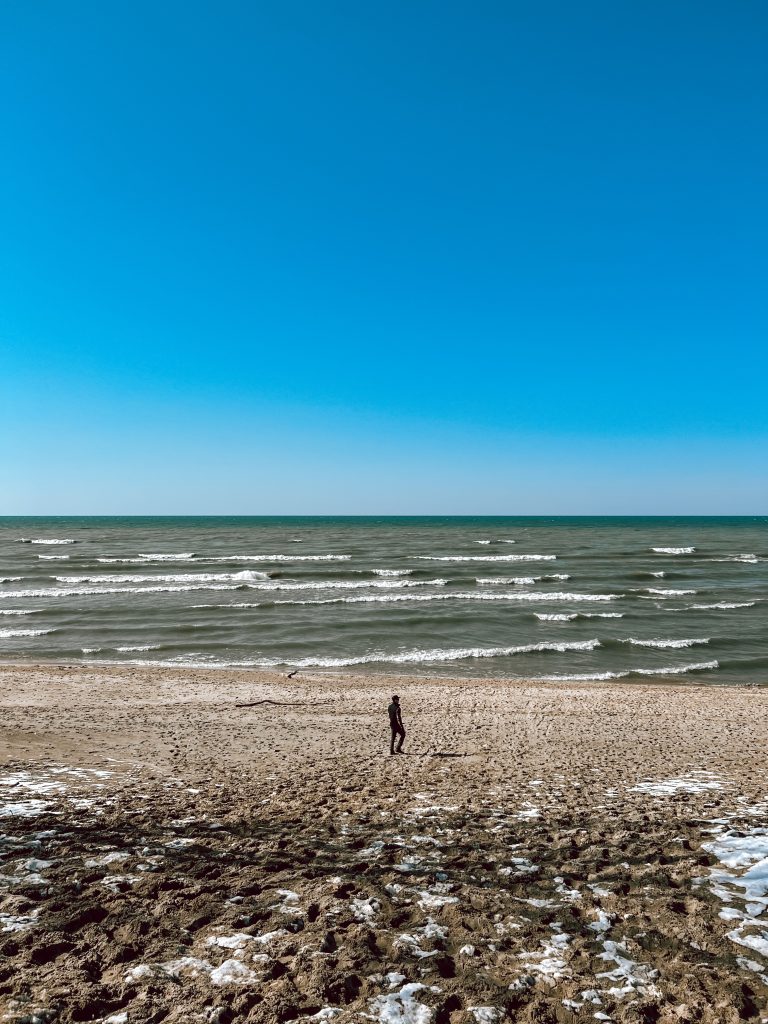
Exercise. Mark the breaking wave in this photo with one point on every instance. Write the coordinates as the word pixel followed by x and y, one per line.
pixel 431 655
pixel 7 634
pixel 674 551
pixel 666 643
pixel 673 670
pixel 486 558
pixel 247 576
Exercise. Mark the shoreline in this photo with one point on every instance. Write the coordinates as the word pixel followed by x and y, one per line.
pixel 675 680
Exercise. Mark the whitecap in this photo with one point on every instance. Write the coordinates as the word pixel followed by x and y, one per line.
pixel 486 558
pixel 675 670
pixel 10 579
pixel 42 540
pixel 674 551
pixel 146 647
pixel 668 593
pixel 8 634
pixel 280 558
pixel 556 617
pixel 438 654
pixel 20 611
pixel 703 666
pixel 450 596
pixel 392 572
pixel 53 558
pixel 238 584
pixel 749 559
pixel 666 643
pixel 247 576
pixel 719 605
pixel 506 580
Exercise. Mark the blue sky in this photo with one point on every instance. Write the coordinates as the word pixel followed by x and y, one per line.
pixel 383 258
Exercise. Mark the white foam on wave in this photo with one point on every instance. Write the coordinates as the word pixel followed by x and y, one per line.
pixel 658 592
pixel 506 580
pixel 486 558
pixel 168 588
pixel 247 576
pixel 472 595
pixel 437 654
pixel 280 558
pixel 519 580
pixel 749 559
pixel 569 616
pixel 719 606
pixel 392 572
pixel 20 611
pixel 237 584
pixel 140 647
pixel 53 558
pixel 482 542
pixel 673 670
pixel 10 579
pixel 666 643
pixel 674 551
pixel 7 634
pixel 44 540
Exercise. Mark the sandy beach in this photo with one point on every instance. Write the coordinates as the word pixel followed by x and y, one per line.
pixel 543 852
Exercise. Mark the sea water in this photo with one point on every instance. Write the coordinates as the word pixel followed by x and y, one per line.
pixel 567 599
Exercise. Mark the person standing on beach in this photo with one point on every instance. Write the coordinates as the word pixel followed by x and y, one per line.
pixel 396 725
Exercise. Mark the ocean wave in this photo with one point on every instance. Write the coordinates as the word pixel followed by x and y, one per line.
pixel 145 647
pixel 278 558
pixel 673 670
pixel 472 595
pixel 719 606
pixel 568 616
pixel 146 559
pixel 601 615
pixel 10 579
pixel 749 559
pixel 482 542
pixel 101 591
pixel 53 558
pixel 43 540
pixel 20 611
pixel 519 580
pixel 668 592
pixel 392 572
pixel 486 558
pixel 506 580
pixel 674 551
pixel 7 634
pixel 247 576
pixel 420 655
pixel 665 643
pixel 676 670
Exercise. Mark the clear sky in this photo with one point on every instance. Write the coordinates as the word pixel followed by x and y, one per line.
pixel 384 257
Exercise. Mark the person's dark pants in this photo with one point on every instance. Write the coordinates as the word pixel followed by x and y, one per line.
pixel 397 730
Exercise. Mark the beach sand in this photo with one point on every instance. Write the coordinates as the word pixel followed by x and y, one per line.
pixel 543 852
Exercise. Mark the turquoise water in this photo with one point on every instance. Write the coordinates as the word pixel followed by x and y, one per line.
pixel 563 598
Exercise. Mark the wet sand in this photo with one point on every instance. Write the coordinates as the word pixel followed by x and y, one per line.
pixel 543 852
